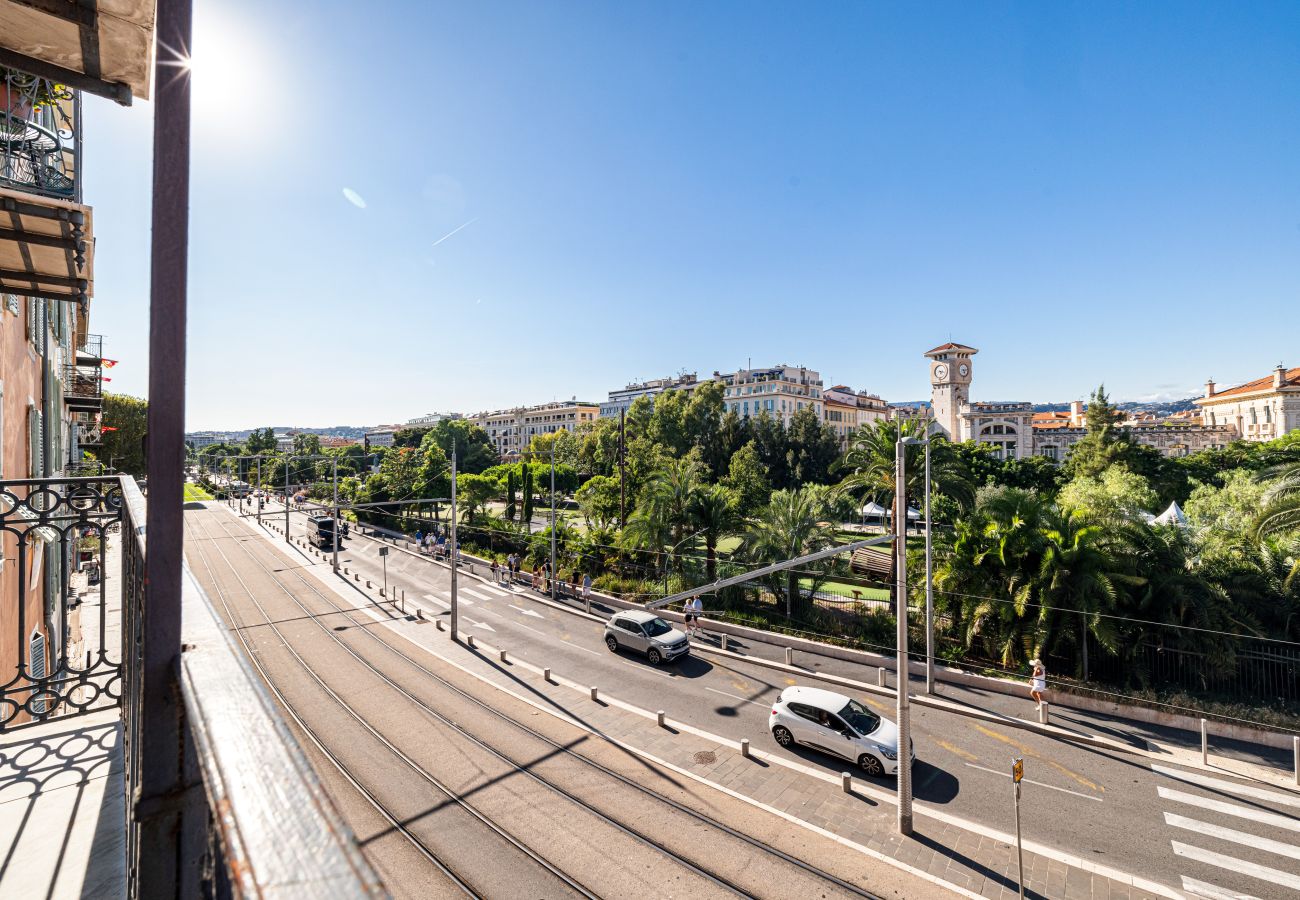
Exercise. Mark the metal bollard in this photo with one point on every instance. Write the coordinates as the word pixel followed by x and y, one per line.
pixel 744 747
pixel 1205 743
pixel 724 643
pixel 356 576
pixel 504 656
pixel 1043 713
pixel 546 675
pixel 789 656
pixel 659 718
pixel 469 639
pixel 368 584
pixel 439 621
pixel 381 593
pixel 419 614
pixel 880 676
pixel 846 780
pixel 593 692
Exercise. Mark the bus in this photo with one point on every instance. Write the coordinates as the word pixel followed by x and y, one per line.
pixel 320 532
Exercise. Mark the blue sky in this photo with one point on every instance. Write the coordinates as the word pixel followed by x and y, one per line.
pixel 1091 192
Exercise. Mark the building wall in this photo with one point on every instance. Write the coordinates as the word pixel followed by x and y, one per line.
pixel 512 430
pixel 621 400
pixel 779 391
pixel 1256 418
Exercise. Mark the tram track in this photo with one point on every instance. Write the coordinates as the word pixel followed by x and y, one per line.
pixel 332 607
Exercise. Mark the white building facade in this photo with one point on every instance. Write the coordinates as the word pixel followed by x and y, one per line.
pixel 1260 410
pixel 779 391
pixel 621 400
pixel 511 430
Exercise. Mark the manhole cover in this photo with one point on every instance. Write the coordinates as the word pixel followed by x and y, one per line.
pixel 705 757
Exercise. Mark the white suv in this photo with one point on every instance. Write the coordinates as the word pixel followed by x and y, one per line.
pixel 838 725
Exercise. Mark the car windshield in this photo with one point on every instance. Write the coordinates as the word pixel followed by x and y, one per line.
pixel 863 720
pixel 656 627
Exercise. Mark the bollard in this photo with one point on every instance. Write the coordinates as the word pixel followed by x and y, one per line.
pixel 789 656
pixel 1043 713
pixel 659 717
pixel 368 584
pixel 593 692
pixel 1205 743
pixel 381 593
pixel 546 675
pixel 419 614
pixel 724 643
pixel 1295 751
pixel 439 621
pixel 356 576
pixel 347 571
pixel 744 747
pixel 880 676
pixel 504 657
pixel 846 779
pixel 469 639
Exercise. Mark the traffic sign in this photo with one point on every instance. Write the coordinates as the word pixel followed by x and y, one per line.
pixel 383 551
pixel 1017 769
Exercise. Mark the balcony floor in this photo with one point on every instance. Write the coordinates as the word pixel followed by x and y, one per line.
pixel 62 809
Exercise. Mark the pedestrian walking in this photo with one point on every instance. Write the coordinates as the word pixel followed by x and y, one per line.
pixel 693 609
pixel 495 569
pixel 586 590
pixel 1038 681
pixel 419 537
pixel 537 577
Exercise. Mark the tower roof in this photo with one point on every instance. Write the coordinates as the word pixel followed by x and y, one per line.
pixel 950 347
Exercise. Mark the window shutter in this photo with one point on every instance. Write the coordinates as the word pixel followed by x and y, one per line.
pixel 31 319
pixel 36 670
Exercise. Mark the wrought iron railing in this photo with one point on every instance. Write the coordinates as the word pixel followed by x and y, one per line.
pixel 90 429
pixel 83 382
pixel 92 346
pixel 40 144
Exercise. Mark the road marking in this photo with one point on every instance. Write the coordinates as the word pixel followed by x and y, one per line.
pixel 1229 786
pixel 432 599
pixel 735 697
pixel 951 748
pixel 791 681
pixel 475 594
pixel 494 589
pixel 1031 781
pixel 582 648
pixel 481 625
pixel 1232 864
pixel 1236 837
pixel 531 628
pixel 1029 751
pixel 527 612
pixel 1213 891
pixel 1274 820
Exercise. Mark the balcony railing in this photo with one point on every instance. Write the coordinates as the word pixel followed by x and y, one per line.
pixel 83 386
pixel 247 816
pixel 90 429
pixel 40 144
pixel 91 347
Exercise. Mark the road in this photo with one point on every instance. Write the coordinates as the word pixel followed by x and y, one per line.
pixel 1193 831
pixel 453 788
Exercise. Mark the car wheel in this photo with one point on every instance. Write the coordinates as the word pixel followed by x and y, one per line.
pixel 611 644
pixel 874 767
pixel 783 736
pixel 654 657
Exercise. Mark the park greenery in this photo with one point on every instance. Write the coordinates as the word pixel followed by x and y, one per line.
pixel 1031 558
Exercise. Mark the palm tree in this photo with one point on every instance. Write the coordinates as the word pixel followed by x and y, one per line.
pixel 790 525
pixel 714 512
pixel 870 464
pixel 1078 573
pixel 1281 510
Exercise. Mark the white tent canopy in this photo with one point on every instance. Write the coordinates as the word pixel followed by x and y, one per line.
pixel 874 510
pixel 1172 516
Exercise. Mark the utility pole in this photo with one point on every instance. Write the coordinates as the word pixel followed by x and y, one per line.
pixel 902 712
pixel 259 487
pixel 286 498
pixel 555 575
pixel 622 469
pixel 452 549
pixel 929 581
pixel 338 535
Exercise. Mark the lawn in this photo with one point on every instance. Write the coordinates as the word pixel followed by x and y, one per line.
pixel 194 492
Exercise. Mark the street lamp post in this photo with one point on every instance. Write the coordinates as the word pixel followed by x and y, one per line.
pixel 929 583
pixel 337 534
pixel 902 712
pixel 452 548
pixel 555 575
pixel 259 488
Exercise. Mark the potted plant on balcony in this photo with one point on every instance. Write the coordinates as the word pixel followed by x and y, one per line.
pixel 22 94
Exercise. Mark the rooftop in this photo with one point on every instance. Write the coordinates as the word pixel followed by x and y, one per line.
pixel 1290 379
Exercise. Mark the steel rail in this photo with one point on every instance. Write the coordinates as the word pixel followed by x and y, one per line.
pixel 696 814
pixel 414 766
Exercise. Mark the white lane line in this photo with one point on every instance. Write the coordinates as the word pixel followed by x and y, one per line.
pixel 737 697
pixel 1212 891
pixel 1039 783
pixel 475 594
pixel 1230 786
pixel 1236 837
pixel 481 624
pixel 531 628
pixel 527 612
pixel 1232 809
pixel 577 647
pixel 1232 864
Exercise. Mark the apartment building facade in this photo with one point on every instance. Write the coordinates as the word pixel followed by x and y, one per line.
pixel 512 430
pixel 1260 410
pixel 845 411
pixel 622 399
pixel 779 391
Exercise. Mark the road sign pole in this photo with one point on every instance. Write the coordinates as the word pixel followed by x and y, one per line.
pixel 1017 772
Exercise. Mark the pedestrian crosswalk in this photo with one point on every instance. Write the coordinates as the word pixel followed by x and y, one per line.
pixel 1238 841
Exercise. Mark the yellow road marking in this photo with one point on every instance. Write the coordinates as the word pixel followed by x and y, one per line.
pixel 1029 751
pixel 969 757
pixel 791 681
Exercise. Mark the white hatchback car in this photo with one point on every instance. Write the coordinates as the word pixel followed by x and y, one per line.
pixel 838 725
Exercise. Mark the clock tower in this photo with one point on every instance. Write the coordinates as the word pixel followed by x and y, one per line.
pixel 950 377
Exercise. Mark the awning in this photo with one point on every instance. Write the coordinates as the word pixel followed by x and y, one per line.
pixel 105 47
pixel 874 510
pixel 46 247
pixel 1172 516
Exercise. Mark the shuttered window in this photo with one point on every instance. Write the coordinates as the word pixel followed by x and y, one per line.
pixel 37 668
pixel 36 441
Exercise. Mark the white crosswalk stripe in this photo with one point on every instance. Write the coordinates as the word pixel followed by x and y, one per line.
pixel 1273 820
pixel 1230 834
pixel 1231 787
pixel 1232 864
pixel 474 594
pixel 1213 891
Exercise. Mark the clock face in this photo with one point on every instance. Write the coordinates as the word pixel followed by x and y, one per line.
pixel 964 370
pixel 940 372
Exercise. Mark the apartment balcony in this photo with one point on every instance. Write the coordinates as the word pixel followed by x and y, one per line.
pixel 90 349
pixel 142 752
pixel 83 386
pixel 40 145
pixel 90 429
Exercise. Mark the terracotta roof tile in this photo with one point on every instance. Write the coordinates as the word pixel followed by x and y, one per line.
pixel 949 346
pixel 1291 378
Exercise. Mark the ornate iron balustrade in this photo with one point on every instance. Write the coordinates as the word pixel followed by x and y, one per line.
pixel 83 385
pixel 90 430
pixel 54 535
pixel 40 143
pixel 92 346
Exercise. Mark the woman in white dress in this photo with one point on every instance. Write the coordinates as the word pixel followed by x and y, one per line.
pixel 1038 683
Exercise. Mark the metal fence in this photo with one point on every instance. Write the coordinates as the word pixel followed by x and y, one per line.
pixel 40 142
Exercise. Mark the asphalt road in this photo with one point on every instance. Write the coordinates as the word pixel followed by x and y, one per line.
pixel 509 809
pixel 1191 830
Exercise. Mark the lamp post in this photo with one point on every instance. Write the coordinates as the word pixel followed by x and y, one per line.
pixel 902 712
pixel 452 548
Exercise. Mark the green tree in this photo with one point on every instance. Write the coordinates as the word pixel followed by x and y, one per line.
pixel 123 448
pixel 598 501
pixel 474 449
pixel 1116 493
pixel 663 514
pixel 410 437
pixel 773 448
pixel 715 515
pixel 1281 512
pixel 813 448
pixel 791 525
pixel 512 488
pixel 433 471
pixel 526 511
pixel 474 491
pixel 747 479
pixel 703 423
pixel 260 441
pixel 869 465
pixel 306 444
